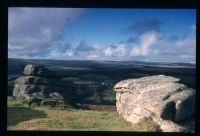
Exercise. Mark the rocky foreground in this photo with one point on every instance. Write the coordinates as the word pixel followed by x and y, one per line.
pixel 169 103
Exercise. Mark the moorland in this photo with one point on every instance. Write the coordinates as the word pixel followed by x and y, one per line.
pixel 93 82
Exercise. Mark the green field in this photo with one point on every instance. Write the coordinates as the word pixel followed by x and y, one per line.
pixel 22 117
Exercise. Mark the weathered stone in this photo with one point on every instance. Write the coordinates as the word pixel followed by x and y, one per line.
pixel 21 90
pixel 32 80
pixel 35 70
pixel 29 91
pixel 41 81
pixel 158 96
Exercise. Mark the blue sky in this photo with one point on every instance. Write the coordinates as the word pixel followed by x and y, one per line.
pixel 102 34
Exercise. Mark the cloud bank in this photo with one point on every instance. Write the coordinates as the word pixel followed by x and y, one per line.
pixel 34 32
pixel 38 34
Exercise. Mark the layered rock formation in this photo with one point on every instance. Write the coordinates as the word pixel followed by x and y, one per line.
pixel 41 83
pixel 169 103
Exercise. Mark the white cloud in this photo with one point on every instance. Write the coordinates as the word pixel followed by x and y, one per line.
pixel 185 46
pixel 181 49
pixel 186 56
pixel 37 28
pixel 121 50
pixel 189 41
pixel 108 52
pixel 118 50
pixel 146 41
pixel 69 53
pixel 92 56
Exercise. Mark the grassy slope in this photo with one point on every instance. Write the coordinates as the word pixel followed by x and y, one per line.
pixel 21 117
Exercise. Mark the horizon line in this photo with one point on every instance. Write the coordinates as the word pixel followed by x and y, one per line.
pixel 105 60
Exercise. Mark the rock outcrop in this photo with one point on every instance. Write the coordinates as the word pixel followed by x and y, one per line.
pixel 41 83
pixel 36 70
pixel 169 103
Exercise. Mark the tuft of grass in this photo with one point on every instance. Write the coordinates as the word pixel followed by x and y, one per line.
pixel 15 102
pixel 147 125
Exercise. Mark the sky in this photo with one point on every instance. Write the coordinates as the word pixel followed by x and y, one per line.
pixel 153 35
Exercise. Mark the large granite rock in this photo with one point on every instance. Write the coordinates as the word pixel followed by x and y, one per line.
pixel 41 83
pixel 159 97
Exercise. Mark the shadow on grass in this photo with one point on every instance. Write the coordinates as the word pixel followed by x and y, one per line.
pixel 16 115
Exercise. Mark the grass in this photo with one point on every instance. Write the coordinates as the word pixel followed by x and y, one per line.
pixel 22 117
pixel 20 114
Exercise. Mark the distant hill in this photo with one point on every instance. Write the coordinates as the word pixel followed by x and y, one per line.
pixel 16 66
